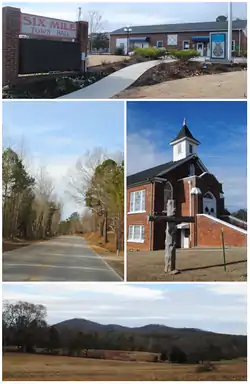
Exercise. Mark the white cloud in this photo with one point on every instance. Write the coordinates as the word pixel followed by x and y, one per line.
pixel 119 14
pixel 228 289
pixel 179 305
pixel 142 153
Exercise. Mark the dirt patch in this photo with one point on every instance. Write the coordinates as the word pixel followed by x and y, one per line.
pixel 193 264
pixel 190 80
pixel 111 67
pixel 94 60
pixel 181 70
pixel 106 251
pixel 25 367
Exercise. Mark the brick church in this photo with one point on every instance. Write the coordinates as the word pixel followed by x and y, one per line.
pixel 196 192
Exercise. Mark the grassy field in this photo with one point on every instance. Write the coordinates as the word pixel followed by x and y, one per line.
pixel 194 265
pixel 25 367
pixel 100 59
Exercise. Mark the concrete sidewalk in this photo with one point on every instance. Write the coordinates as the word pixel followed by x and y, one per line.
pixel 116 82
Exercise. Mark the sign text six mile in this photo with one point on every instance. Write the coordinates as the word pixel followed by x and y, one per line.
pixel 44 26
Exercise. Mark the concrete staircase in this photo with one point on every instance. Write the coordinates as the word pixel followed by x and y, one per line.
pixel 234 221
pixel 209 232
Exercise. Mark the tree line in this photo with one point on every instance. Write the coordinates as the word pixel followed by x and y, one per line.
pixel 97 182
pixel 25 326
pixel 31 209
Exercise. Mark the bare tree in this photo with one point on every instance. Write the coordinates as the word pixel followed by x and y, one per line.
pixel 96 25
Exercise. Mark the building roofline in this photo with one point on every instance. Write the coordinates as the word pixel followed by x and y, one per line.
pixel 178 163
pixel 143 182
pixel 167 170
pixel 184 137
pixel 183 27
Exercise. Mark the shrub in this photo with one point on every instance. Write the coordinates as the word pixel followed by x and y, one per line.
pixel 184 55
pixel 119 51
pixel 152 53
pixel 161 52
pixel 243 53
pixel 163 356
pixel 206 367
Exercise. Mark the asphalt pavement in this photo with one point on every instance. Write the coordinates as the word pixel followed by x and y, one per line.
pixel 65 258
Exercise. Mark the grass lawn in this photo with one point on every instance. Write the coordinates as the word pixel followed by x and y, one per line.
pixel 27 367
pixel 195 264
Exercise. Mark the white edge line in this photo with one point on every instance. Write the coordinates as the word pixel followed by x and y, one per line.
pixel 223 223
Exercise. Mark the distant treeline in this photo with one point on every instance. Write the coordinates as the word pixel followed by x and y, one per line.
pixel 24 326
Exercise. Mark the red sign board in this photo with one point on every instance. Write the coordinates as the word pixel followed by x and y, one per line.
pixel 33 25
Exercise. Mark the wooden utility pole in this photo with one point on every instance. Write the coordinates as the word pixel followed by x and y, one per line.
pixel 170 239
pixel 170 235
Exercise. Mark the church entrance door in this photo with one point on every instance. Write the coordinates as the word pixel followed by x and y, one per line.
pixel 185 234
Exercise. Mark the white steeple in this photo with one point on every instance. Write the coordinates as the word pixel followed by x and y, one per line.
pixel 184 144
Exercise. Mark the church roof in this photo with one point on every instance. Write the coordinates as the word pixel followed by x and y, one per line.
pixel 157 171
pixel 185 132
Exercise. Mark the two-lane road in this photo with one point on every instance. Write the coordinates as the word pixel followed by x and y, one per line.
pixel 65 258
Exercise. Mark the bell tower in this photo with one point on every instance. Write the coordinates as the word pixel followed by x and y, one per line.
pixel 184 144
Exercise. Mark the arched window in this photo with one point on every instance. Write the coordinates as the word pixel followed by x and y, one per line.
pixel 168 194
pixel 208 195
pixel 209 204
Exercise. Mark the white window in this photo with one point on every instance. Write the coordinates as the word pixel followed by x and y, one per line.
pixel 186 44
pixel 136 233
pixel 159 44
pixel 233 45
pixel 172 39
pixel 137 201
pixel 179 148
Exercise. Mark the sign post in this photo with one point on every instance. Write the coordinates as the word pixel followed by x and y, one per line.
pixel 230 32
pixel 223 249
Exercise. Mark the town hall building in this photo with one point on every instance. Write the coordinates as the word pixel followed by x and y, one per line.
pixel 196 192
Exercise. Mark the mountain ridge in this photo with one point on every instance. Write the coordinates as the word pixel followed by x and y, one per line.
pixel 75 322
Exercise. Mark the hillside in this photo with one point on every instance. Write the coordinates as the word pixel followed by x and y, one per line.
pixel 157 338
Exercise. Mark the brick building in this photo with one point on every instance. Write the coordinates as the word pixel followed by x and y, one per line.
pixel 196 192
pixel 179 36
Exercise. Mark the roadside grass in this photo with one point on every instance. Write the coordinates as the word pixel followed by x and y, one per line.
pixel 106 251
pixel 12 244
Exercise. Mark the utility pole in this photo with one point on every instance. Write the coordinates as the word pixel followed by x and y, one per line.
pixel 79 13
pixel 229 33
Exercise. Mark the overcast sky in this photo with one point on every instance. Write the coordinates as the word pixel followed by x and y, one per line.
pixel 56 134
pixel 120 14
pixel 219 307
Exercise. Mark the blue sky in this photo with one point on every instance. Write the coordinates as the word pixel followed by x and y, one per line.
pixel 56 134
pixel 119 14
pixel 216 307
pixel 221 127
